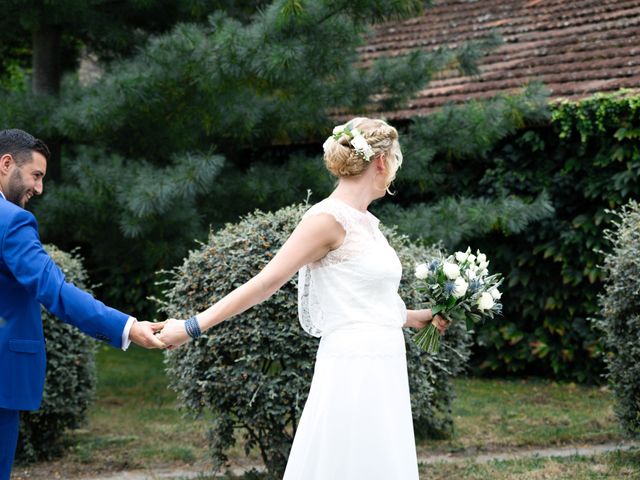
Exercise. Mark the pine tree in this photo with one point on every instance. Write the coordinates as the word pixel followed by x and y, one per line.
pixel 54 32
pixel 144 143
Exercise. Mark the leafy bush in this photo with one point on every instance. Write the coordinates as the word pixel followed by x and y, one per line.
pixel 254 371
pixel 70 381
pixel 620 323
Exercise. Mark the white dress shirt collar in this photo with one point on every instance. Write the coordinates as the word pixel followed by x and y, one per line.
pixel 2 195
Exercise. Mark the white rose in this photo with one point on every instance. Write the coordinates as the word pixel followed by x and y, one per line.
pixel 481 257
pixel 422 271
pixel 460 287
pixel 461 256
pixel 368 152
pixel 495 293
pixel 471 257
pixel 451 270
pixel 471 275
pixel 485 302
pixel 338 129
pixel 361 145
pixel 483 265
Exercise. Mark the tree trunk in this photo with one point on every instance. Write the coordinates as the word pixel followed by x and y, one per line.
pixel 46 75
pixel 46 60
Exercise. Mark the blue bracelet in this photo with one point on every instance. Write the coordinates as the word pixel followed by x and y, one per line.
pixel 192 327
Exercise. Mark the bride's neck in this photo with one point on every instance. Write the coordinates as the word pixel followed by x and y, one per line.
pixel 356 192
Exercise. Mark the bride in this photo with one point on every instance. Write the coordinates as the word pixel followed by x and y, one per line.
pixel 356 424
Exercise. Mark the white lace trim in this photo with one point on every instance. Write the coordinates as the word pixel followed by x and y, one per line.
pixel 361 229
pixel 307 302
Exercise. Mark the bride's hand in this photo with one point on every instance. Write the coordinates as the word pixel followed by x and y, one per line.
pixel 174 333
pixel 421 318
pixel 440 323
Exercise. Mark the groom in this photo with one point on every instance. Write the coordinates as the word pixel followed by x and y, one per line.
pixel 28 278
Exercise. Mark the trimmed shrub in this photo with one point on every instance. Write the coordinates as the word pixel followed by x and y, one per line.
pixel 70 381
pixel 254 371
pixel 620 324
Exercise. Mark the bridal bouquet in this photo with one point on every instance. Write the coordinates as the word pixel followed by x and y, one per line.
pixel 459 288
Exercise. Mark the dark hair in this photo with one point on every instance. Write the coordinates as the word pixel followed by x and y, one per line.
pixel 20 145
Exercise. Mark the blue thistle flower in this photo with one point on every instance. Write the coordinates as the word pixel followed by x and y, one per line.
pixel 433 266
pixel 474 285
pixel 449 288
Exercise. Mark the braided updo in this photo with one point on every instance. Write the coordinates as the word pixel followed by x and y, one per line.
pixel 342 159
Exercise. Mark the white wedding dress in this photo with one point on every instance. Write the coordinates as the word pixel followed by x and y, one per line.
pixel 356 424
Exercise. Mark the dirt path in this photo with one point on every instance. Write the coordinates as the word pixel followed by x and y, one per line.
pixel 582 450
pixel 569 451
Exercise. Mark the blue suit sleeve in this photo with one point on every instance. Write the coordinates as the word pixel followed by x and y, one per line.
pixel 34 269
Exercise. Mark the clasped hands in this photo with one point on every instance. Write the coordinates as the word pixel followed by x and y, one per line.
pixel 168 334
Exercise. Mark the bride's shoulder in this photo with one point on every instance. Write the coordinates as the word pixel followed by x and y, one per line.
pixel 332 208
pixel 324 205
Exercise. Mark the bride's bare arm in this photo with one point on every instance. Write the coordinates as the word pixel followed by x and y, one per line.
pixel 312 239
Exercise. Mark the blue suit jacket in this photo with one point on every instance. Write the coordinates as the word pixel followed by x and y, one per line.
pixel 28 278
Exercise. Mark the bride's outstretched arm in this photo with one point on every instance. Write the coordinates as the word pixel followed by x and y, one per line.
pixel 310 241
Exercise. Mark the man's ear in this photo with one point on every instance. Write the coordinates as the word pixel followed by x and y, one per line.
pixel 6 161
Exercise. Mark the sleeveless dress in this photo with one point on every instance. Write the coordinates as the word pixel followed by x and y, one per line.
pixel 356 424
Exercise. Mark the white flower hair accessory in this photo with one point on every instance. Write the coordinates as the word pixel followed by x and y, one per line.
pixel 356 139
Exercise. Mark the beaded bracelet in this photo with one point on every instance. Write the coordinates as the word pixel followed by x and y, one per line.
pixel 192 327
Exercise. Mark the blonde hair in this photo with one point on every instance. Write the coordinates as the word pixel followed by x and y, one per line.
pixel 342 160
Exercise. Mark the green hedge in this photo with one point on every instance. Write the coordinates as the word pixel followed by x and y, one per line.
pixel 583 162
pixel 254 371
pixel 587 161
pixel 70 381
pixel 529 183
pixel 620 320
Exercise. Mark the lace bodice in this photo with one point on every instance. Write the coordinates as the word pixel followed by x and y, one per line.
pixel 355 283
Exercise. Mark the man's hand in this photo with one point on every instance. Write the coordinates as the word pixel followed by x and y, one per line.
pixel 143 334
pixel 174 333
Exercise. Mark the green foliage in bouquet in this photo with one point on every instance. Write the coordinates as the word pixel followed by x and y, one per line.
pixel 70 381
pixel 619 319
pixel 254 371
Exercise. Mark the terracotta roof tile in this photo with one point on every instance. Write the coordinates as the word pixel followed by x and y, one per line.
pixel 575 48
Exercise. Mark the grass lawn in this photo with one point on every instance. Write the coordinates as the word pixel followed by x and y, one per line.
pixel 616 465
pixel 502 414
pixel 135 424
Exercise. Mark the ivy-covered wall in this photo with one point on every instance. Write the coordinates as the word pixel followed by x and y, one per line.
pixel 581 162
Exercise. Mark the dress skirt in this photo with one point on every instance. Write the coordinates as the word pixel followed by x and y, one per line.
pixel 357 424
